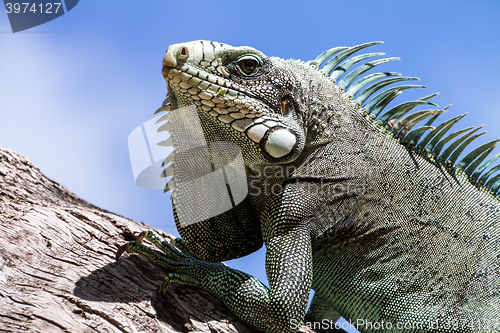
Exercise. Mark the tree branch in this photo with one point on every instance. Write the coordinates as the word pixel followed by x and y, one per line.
pixel 58 271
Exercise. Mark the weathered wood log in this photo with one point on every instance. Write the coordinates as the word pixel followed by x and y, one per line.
pixel 58 271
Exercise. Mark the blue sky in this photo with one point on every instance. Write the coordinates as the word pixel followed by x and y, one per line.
pixel 73 89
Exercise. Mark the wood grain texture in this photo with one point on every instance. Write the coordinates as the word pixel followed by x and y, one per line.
pixel 58 272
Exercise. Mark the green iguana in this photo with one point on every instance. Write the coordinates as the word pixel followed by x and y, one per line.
pixel 378 216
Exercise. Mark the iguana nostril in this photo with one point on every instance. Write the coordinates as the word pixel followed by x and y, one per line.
pixel 183 52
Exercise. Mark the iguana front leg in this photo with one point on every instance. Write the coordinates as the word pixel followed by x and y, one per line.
pixel 274 309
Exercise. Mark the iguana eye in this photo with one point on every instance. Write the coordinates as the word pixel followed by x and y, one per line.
pixel 248 65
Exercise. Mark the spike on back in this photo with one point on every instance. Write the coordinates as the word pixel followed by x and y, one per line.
pixel 364 81
pixel 455 145
pixel 363 96
pixel 477 154
pixel 397 121
pixel 336 60
pixel 483 167
pixel 407 123
pixel 433 138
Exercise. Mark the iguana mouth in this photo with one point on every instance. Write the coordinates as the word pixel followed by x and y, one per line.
pixel 218 85
pixel 277 141
pixel 177 54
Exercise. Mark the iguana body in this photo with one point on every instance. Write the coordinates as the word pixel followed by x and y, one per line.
pixel 379 219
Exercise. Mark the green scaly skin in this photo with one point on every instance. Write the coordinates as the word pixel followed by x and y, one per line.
pixel 382 230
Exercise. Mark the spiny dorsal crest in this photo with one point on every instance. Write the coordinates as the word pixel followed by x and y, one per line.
pixel 398 121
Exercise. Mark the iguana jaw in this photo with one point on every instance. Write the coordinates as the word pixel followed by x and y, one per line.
pixel 207 75
pixel 195 74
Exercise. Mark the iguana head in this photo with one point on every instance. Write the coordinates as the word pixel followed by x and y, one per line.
pixel 268 106
pixel 240 94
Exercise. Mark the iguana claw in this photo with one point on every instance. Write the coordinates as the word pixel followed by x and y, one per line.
pixel 183 266
pixel 140 238
pixel 122 249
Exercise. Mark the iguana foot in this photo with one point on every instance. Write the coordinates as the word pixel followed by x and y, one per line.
pixel 186 269
pixel 236 289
